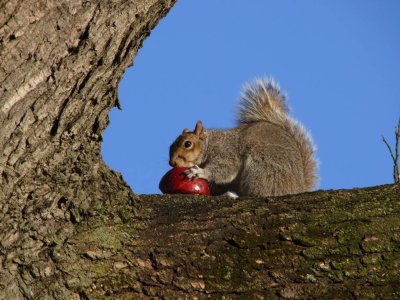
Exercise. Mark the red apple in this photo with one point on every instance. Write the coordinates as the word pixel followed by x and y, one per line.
pixel 175 182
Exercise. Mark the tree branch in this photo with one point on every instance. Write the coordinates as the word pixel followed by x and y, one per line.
pixel 327 244
pixel 395 155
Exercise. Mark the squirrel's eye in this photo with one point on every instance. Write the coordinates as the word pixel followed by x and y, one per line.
pixel 188 144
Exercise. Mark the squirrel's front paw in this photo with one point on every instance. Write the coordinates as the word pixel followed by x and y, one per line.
pixel 196 172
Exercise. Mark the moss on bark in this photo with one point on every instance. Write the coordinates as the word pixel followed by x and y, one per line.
pixel 326 244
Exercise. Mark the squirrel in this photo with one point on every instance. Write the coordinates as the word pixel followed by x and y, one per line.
pixel 267 154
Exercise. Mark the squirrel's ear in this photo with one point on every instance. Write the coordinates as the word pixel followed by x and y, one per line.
pixel 185 131
pixel 199 130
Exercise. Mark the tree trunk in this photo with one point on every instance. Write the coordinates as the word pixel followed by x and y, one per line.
pixel 61 62
pixel 72 229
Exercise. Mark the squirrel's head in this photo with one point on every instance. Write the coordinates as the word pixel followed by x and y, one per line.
pixel 187 149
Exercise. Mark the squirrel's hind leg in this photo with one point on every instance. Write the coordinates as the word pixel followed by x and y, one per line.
pixel 231 195
pixel 266 178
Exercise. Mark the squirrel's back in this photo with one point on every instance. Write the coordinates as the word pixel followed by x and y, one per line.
pixel 263 101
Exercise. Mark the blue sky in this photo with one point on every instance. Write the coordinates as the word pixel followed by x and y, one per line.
pixel 338 61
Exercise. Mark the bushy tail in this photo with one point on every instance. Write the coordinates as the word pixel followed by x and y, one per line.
pixel 264 101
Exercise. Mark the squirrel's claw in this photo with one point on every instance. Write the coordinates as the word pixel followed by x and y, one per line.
pixel 189 174
pixel 196 172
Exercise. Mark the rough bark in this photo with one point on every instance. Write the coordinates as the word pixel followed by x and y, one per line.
pixel 72 229
pixel 322 245
pixel 61 62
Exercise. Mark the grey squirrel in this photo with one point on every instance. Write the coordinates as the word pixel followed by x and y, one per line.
pixel 267 154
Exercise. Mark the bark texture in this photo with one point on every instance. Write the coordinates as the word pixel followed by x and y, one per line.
pixel 72 229
pixel 60 65
pixel 323 245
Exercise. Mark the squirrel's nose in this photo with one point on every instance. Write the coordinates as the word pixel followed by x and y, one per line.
pixel 172 163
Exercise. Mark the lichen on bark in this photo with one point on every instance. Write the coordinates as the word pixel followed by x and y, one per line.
pixel 326 244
